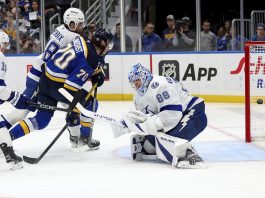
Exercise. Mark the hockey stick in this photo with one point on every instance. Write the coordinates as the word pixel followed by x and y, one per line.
pixel 88 113
pixel 94 110
pixel 48 107
pixel 71 107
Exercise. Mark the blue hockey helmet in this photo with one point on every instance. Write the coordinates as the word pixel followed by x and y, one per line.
pixel 138 71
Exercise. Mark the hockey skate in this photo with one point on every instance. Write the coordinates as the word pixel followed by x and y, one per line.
pixel 191 161
pixel 81 144
pixel 11 158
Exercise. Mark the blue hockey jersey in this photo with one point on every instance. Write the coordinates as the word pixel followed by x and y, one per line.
pixel 70 68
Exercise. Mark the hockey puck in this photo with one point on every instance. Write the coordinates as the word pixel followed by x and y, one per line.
pixel 260 101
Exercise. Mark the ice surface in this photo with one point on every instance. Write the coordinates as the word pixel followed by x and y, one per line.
pixel 235 169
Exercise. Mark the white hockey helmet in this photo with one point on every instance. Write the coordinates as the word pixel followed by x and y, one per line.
pixel 73 15
pixel 4 39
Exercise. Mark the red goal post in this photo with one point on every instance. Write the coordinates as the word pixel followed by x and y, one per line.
pixel 254 91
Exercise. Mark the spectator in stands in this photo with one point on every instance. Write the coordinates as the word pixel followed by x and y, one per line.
pixel 260 36
pixel 224 36
pixel 34 15
pixel 12 7
pixel 117 44
pixel 30 45
pixel 235 42
pixel 208 38
pixel 227 27
pixel 2 18
pixel 10 29
pixel 184 37
pixel 24 6
pixel 168 34
pixel 223 40
pixel 151 41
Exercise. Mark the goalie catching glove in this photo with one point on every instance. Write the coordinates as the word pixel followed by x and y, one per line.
pixel 142 124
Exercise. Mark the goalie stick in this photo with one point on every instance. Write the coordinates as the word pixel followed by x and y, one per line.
pixel 88 113
pixel 71 107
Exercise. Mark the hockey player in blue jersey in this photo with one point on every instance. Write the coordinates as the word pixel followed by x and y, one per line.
pixel 168 117
pixel 70 68
pixel 73 26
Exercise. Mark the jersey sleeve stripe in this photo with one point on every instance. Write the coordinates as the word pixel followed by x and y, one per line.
pixel 72 84
pixel 35 72
pixel 53 78
pixel 33 77
pixel 56 74
pixel 70 87
pixel 171 108
pixel 84 46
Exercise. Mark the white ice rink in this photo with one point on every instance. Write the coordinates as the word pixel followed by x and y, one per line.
pixel 235 169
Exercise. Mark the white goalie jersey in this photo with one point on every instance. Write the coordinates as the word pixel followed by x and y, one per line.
pixel 165 98
pixel 59 38
pixel 4 91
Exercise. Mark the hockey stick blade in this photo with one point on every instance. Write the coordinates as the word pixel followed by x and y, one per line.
pixel 88 113
pixel 30 160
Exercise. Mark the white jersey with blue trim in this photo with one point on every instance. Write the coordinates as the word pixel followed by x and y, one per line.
pixel 4 90
pixel 58 39
pixel 167 99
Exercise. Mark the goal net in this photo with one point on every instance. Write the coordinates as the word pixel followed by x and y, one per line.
pixel 255 91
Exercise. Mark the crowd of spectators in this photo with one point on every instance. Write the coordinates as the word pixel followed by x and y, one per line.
pixel 179 35
pixel 22 19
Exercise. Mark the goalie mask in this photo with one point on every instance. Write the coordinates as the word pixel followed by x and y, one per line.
pixel 139 78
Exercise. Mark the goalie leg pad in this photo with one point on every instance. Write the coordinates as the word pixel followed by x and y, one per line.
pixel 169 148
pixel 138 145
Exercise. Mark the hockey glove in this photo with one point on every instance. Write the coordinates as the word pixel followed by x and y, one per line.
pixel 73 118
pixel 19 101
pixel 98 78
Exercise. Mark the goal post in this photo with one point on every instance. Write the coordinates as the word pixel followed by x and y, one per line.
pixel 254 91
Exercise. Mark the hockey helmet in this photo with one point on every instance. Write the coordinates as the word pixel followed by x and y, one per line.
pixel 102 34
pixel 4 40
pixel 138 71
pixel 73 15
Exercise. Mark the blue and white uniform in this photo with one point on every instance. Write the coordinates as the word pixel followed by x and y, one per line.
pixel 70 68
pixel 58 39
pixel 173 107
